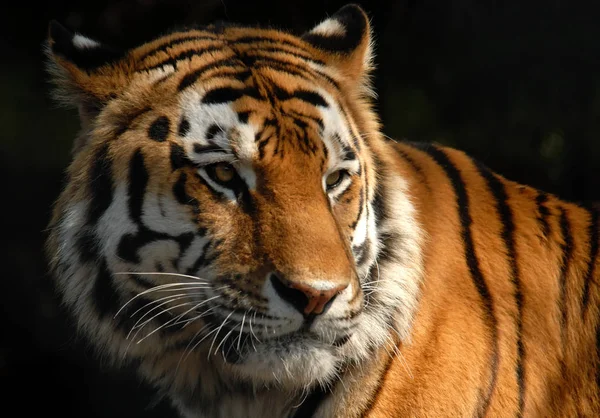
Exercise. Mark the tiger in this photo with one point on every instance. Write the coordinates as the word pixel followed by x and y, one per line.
pixel 236 226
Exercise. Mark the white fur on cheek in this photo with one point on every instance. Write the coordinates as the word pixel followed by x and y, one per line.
pixel 397 278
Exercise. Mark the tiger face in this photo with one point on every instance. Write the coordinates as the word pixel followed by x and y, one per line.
pixel 221 205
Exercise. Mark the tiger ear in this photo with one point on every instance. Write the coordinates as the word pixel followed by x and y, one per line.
pixel 345 39
pixel 86 72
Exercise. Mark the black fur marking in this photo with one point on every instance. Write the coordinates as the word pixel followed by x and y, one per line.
pixel 227 94
pixel 594 241
pixel 175 42
pixel 105 293
pixel 262 143
pixel 129 244
pixel 178 157
pixel 462 204
pixel 247 60
pixel 543 212
pixel 212 131
pixel 261 51
pixel 307 74
pixel 348 155
pixel 185 55
pixel 160 128
pixel 184 240
pixel 508 236
pixel 318 121
pixel 311 404
pixel 362 251
pixel 123 121
pixel 101 185
pixel 184 127
pixel 378 204
pixel 310 97
pixel 243 117
pixel 353 21
pixel 141 281
pixel 380 381
pixel 182 196
pixel 275 46
pixel 201 261
pixel 204 149
pixel 87 59
pixel 192 77
pixel 413 164
pixel 567 255
pixel 88 246
pixel 138 180
pixel 269 41
pixel 361 199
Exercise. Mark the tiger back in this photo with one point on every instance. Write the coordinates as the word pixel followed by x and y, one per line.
pixel 235 224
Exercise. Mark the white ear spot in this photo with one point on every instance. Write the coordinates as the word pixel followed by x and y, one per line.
pixel 329 27
pixel 81 42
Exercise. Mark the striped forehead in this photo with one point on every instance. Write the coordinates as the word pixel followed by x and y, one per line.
pixel 209 127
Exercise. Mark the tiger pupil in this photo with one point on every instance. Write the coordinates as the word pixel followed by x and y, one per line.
pixel 223 172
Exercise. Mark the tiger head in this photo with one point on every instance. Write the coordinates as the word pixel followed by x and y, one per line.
pixel 221 208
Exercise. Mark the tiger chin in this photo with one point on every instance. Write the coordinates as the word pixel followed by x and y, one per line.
pixel 235 224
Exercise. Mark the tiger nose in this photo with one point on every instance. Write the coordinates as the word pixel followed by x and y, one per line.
pixel 307 299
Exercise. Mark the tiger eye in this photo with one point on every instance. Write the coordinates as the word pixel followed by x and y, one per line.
pixel 333 178
pixel 224 172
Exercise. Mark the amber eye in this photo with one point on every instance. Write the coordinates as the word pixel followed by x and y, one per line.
pixel 335 178
pixel 222 173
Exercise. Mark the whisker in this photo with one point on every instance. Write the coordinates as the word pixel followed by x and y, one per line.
pixel 160 273
pixel 241 328
pixel 181 359
pixel 196 307
pixel 165 298
pixel 145 292
pixel 184 288
pixel 136 333
pixel 162 325
pixel 136 325
pixel 222 341
pixel 219 330
pixel 378 281
pixel 199 342
pixel 303 397
pixel 155 316
pixel 184 295
pixel 252 331
pixel 399 355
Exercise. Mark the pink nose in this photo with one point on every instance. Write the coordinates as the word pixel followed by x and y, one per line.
pixel 305 298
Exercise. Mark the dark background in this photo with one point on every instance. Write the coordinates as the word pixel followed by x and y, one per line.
pixel 517 85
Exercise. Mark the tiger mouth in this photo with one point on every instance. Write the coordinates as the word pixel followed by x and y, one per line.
pixel 233 353
pixel 234 345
